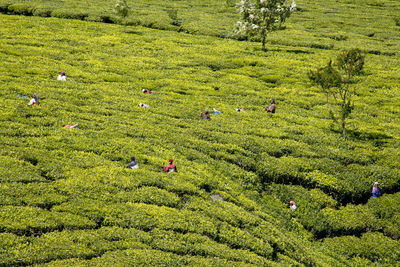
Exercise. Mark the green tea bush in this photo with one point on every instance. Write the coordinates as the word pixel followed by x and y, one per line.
pixel 31 221
pixel 223 211
pixel 283 170
pixel 12 170
pixel 149 195
pixel 237 238
pixel 350 220
pixel 195 244
pixel 373 246
pixel 20 9
pixel 384 208
pixel 69 15
pixel 155 258
pixel 72 186
pixel 45 250
pixel 42 195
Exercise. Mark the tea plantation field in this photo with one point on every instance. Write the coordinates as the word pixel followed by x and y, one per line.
pixel 67 198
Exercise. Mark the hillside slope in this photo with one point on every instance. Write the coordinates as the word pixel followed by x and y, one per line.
pixel 67 198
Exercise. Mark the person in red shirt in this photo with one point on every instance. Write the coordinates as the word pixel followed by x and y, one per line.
pixel 171 167
pixel 147 91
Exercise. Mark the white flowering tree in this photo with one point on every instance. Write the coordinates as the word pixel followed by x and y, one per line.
pixel 121 8
pixel 260 17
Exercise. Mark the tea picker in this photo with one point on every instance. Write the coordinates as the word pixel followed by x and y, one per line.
pixel 205 115
pixel 292 204
pixel 133 164
pixel 376 190
pixel 171 167
pixel 144 105
pixel 216 111
pixel 271 107
pixel 147 91
pixel 34 100
pixel 62 77
pixel 76 126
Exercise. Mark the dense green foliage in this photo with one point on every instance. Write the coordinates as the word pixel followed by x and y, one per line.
pixel 67 197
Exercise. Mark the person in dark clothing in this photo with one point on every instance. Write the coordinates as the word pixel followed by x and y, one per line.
pixel 271 107
pixel 171 167
pixel 205 115
pixel 133 164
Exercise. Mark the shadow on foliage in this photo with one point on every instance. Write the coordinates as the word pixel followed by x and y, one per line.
pixel 298 51
pixel 134 32
pixel 378 139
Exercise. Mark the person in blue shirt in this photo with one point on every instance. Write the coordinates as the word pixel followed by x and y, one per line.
pixel 216 111
pixel 376 191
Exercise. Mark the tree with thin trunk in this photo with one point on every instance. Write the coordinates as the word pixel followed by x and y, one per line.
pixel 262 17
pixel 337 84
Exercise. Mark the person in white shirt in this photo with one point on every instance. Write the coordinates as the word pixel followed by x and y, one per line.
pixel 144 105
pixel 293 206
pixel 62 77
pixel 76 126
pixel 34 100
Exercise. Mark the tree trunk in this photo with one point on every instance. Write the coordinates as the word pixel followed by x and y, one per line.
pixel 263 42
pixel 343 127
pixel 344 115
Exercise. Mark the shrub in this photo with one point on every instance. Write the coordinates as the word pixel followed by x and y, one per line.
pixel 32 221
pixel 149 195
pixel 237 238
pixel 373 246
pixel 13 170
pixel 21 9
pixel 195 244
pixel 350 220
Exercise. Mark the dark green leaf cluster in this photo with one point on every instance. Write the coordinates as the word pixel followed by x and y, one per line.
pixel 351 62
pixel 326 77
